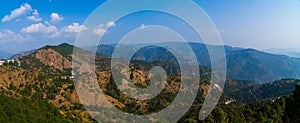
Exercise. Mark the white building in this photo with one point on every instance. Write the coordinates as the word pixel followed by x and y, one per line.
pixel 10 61
pixel 1 62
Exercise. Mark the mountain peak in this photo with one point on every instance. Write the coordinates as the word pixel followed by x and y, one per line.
pixel 51 58
pixel 65 45
pixel 64 49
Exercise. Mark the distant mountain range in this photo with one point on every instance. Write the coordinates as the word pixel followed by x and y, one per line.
pixel 21 54
pixel 288 52
pixel 4 55
pixel 242 64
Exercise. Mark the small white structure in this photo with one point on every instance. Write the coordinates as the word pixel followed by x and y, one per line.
pixel 2 62
pixel 10 61
pixel 228 102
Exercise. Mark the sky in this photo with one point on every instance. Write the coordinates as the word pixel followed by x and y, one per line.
pixel 258 24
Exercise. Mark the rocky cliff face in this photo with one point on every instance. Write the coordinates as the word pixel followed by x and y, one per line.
pixel 52 58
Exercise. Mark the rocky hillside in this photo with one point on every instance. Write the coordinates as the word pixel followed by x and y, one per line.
pixel 56 59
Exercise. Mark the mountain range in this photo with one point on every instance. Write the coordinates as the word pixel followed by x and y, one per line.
pixel 242 64
pixel 4 55
pixel 288 52
pixel 45 74
pixel 58 59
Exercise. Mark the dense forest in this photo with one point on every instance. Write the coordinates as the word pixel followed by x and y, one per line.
pixel 29 110
pixel 281 110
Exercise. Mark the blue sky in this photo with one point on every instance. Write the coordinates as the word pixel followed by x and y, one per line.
pixel 259 24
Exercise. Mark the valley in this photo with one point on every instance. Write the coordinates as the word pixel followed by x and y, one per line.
pixel 46 75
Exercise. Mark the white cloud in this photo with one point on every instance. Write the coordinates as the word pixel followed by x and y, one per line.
pixel 35 12
pixel 22 10
pixel 54 35
pixel 35 16
pixel 99 30
pixel 55 17
pixel 40 28
pixel 110 24
pixel 142 26
pixel 74 28
pixel 51 31
pixel 17 20
pixel 9 36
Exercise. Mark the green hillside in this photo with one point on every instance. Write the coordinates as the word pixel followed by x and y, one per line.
pixel 280 110
pixel 29 110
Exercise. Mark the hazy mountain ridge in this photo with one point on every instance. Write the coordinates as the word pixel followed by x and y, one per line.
pixel 5 55
pixel 293 52
pixel 22 54
pixel 242 64
pixel 247 92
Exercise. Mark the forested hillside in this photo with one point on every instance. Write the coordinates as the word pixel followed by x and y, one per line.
pixel 242 64
pixel 27 110
pixel 48 81
pixel 285 109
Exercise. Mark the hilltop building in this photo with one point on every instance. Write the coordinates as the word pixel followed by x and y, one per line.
pixel 1 62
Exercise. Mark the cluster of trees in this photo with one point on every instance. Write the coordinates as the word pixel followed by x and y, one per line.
pixel 45 92
pixel 280 110
pixel 156 104
pixel 64 49
pixel 28 110
pixel 247 93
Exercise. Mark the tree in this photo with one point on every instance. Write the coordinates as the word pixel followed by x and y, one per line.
pixel 220 115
